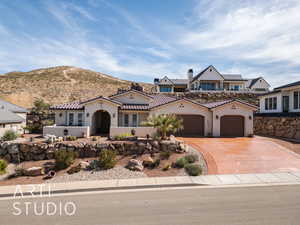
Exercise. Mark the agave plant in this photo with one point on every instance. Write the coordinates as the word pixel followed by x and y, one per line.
pixel 165 124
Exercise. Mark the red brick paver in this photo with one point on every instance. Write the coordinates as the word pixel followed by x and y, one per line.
pixel 245 155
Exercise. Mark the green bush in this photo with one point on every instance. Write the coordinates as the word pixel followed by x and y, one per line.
pixel 193 169
pixel 107 159
pixel 3 166
pixel 181 162
pixel 166 167
pixel 191 158
pixel 165 155
pixel 121 137
pixel 71 138
pixel 64 159
pixel 10 135
pixel 156 163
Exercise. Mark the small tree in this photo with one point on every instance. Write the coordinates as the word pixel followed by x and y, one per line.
pixel 165 123
pixel 40 106
pixel 10 135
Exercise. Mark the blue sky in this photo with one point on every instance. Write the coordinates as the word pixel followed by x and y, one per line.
pixel 139 39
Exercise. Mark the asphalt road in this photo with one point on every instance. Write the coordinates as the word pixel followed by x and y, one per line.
pixel 276 205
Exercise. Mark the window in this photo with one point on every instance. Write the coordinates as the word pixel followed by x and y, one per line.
pixel 126 120
pixel 165 89
pixel 71 119
pixel 207 86
pixel 80 121
pixel 2 125
pixel 297 100
pixel 134 120
pixel 271 103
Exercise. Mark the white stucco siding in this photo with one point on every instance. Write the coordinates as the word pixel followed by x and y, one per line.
pixel 291 95
pixel 279 103
pixel 260 84
pixel 132 98
pixel 233 109
pixel 186 108
pixel 58 131
pixel 17 127
pixel 140 131
pixel 62 117
pixel 93 107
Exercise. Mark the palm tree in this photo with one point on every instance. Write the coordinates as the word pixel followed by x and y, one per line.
pixel 164 124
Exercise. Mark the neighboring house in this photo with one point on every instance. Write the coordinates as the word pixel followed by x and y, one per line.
pixel 12 117
pixel 210 79
pixel 282 100
pixel 127 110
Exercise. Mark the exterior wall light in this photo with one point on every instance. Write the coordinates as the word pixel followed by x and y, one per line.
pixel 114 115
pixel 87 115
pixel 217 117
pixel 250 117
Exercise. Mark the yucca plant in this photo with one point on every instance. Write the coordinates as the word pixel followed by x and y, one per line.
pixel 165 124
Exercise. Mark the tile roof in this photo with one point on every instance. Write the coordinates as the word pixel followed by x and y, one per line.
pixel 101 97
pixel 130 90
pixel 7 116
pixel 68 106
pixel 137 107
pixel 288 85
pixel 160 100
pixel 12 107
pixel 232 76
pixel 220 103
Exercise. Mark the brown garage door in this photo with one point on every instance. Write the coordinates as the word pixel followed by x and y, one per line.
pixel 232 126
pixel 193 125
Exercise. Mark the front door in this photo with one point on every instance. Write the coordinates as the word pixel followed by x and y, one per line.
pixel 285 103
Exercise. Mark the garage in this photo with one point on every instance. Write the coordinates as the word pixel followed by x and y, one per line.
pixel 232 126
pixel 193 125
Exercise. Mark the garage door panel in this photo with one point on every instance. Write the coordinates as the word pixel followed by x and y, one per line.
pixel 232 126
pixel 193 125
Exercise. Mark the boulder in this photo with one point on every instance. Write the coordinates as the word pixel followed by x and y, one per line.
pixel 147 161
pixel 13 148
pixel 84 165
pixel 74 169
pixel 34 171
pixel 135 165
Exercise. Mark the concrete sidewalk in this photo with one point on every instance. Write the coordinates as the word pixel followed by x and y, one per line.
pixel 153 182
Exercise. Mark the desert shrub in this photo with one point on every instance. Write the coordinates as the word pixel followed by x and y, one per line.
pixel 156 163
pixel 71 138
pixel 166 167
pixel 107 159
pixel 3 166
pixel 64 159
pixel 10 135
pixel 191 158
pixel 165 155
pixel 193 169
pixel 33 128
pixel 93 165
pixel 181 162
pixel 94 139
pixel 122 136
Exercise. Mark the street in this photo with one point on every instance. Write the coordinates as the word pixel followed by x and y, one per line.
pixel 270 205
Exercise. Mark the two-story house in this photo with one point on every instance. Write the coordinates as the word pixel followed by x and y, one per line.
pixel 210 79
pixel 284 99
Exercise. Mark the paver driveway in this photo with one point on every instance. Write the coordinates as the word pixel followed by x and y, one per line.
pixel 244 155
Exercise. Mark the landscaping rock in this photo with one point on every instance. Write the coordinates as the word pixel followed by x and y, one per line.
pixel 34 171
pixel 135 165
pixel 74 169
pixel 147 161
pixel 84 165
pixel 13 149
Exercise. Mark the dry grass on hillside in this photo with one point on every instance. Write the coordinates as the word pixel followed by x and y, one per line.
pixel 58 84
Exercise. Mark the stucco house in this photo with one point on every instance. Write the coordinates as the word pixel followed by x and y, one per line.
pixel 12 117
pixel 126 110
pixel 282 100
pixel 210 79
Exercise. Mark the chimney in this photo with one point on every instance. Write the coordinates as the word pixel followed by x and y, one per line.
pixel 190 74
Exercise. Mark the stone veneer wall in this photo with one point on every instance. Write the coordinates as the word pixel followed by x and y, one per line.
pixel 286 127
pixel 18 152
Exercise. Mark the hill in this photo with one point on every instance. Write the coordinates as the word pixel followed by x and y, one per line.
pixel 58 84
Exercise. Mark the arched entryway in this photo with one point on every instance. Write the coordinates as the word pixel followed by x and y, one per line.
pixel 101 123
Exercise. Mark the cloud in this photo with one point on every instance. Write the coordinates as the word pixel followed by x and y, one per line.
pixel 266 30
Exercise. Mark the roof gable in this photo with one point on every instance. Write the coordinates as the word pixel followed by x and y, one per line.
pixel 209 73
pixel 12 107
pixel 254 82
pixel 215 105
pixel 165 80
pixel 101 98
